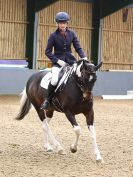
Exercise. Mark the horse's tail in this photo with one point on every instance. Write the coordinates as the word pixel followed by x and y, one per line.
pixel 25 106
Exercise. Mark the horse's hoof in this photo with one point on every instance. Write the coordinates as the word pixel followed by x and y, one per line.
pixel 50 150
pixel 99 161
pixel 61 152
pixel 59 149
pixel 73 149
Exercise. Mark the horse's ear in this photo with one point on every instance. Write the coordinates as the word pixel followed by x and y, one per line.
pixel 84 63
pixel 98 66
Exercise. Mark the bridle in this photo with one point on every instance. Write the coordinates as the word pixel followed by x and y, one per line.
pixel 81 82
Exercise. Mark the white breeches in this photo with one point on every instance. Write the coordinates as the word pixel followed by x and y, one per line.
pixel 55 75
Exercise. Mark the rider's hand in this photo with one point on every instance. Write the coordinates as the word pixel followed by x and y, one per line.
pixel 61 63
pixel 85 58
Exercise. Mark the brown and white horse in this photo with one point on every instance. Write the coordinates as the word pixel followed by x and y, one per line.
pixel 74 98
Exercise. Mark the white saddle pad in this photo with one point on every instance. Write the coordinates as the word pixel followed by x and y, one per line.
pixel 45 80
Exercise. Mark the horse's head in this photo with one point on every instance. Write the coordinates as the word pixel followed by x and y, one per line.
pixel 86 74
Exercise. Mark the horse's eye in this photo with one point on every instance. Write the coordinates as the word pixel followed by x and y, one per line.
pixel 94 79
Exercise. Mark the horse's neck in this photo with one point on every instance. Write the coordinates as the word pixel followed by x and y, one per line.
pixel 76 80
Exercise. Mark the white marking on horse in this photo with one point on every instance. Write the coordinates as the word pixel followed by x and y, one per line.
pixel 24 96
pixel 93 135
pixel 91 77
pixel 78 70
pixel 74 67
pixel 77 130
pixel 49 137
pixel 47 144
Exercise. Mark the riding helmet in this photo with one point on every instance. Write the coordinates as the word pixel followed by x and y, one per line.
pixel 62 16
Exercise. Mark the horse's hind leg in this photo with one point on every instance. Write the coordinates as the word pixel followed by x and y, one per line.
pixel 51 142
pixel 42 117
pixel 90 123
pixel 47 144
pixel 77 130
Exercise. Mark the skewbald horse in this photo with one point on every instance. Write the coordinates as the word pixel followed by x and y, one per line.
pixel 75 98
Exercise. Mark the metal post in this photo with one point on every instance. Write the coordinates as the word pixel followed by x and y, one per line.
pixel 35 41
pixel 100 41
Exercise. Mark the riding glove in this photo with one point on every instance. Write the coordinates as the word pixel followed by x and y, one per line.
pixel 85 58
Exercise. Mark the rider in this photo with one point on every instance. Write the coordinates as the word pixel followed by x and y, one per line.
pixel 61 41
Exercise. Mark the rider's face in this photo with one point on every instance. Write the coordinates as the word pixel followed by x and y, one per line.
pixel 62 26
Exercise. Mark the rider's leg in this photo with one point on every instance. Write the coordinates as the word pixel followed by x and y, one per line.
pixel 51 87
pixel 50 92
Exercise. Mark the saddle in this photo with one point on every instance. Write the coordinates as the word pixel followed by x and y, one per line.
pixel 63 77
pixel 64 74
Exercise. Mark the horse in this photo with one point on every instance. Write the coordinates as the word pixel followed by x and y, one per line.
pixel 72 98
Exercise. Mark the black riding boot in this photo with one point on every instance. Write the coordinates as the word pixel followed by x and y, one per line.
pixel 50 92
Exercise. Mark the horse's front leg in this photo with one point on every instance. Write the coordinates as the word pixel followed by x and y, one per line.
pixel 90 123
pixel 77 130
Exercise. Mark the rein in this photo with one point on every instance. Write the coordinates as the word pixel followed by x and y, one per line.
pixel 86 95
pixel 77 83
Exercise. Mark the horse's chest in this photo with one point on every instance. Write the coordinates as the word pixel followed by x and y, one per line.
pixel 81 106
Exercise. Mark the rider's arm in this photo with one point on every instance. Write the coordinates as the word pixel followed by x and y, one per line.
pixel 77 46
pixel 49 48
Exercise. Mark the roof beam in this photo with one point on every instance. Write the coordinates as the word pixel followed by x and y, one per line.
pixel 41 4
pixel 110 6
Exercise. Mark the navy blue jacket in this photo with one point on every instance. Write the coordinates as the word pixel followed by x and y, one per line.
pixel 62 47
